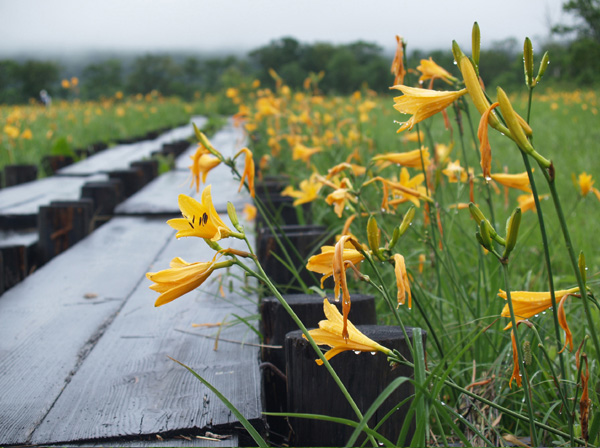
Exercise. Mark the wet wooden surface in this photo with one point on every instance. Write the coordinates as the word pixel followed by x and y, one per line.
pixel 85 352
pixel 160 195
pixel 120 156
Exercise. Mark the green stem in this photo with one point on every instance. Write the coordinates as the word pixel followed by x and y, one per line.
pixel 520 357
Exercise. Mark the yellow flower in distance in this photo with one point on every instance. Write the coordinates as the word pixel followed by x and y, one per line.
pixel 339 197
pixel 586 185
pixel 308 192
pixel 65 84
pixel 527 201
pixel 323 263
pixel 402 281
pixel 411 159
pixel 181 278
pixel 249 171
pixel 11 131
pixel 518 181
pixel 199 219
pixel 27 134
pixel 304 153
pixel 249 212
pixel 454 172
pixel 430 70
pixel 330 333
pixel 422 103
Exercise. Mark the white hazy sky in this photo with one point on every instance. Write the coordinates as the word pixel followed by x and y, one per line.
pixel 60 26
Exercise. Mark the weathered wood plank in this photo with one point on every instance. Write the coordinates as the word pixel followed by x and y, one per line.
pixel 179 441
pixel 19 204
pixel 120 156
pixel 50 321
pixel 228 141
pixel 159 197
pixel 128 386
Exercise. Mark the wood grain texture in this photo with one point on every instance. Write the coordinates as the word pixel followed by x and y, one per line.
pixel 128 386
pixel 120 156
pixel 47 325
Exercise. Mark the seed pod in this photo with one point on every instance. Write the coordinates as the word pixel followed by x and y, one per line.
pixel 512 231
pixel 528 62
pixel 476 44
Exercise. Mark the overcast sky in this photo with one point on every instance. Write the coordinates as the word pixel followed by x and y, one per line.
pixel 200 25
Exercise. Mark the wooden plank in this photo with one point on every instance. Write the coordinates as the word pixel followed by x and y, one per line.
pixel 228 141
pixel 160 195
pixel 50 321
pixel 120 156
pixel 20 204
pixel 128 387
pixel 179 441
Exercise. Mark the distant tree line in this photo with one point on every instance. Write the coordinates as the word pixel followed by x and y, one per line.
pixel 347 67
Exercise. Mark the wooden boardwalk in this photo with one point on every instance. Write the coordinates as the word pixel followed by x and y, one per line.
pixel 84 353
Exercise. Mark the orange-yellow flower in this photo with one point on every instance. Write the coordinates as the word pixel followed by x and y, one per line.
pixel 202 163
pixel 249 212
pixel 357 170
pixel 11 131
pixel 408 189
pixel 330 333
pixel 339 197
pixel 454 172
pixel 323 263
pixel 527 201
pixel 249 171
pixel 308 192
pixel 484 143
pixel 518 181
pixel 402 281
pixel 430 70
pixel 410 159
pixel 65 84
pixel 304 153
pixel 516 374
pixel 414 136
pixel 586 185
pixel 180 279
pixel 26 134
pixel 199 219
pixel 398 63
pixel 422 103
pixel 339 277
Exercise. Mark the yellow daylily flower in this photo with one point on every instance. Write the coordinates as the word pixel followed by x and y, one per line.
pixel 422 103
pixel 27 134
pixel 527 304
pixel 357 170
pixel 181 278
pixel 323 263
pixel 304 153
pixel 308 192
pixel 527 201
pixel 586 183
pixel 414 136
pixel 249 170
pixel 339 197
pixel 430 70
pixel 454 172
pixel 199 219
pixel 519 181
pixel 202 163
pixel 410 159
pixel 330 333
pixel 11 131
pixel 249 212
pixel 402 281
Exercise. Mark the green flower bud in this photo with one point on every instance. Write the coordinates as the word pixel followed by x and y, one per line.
pixel 408 217
pixel 484 232
pixel 528 62
pixel 233 217
pixel 543 66
pixel 476 45
pixel 512 231
pixel 373 236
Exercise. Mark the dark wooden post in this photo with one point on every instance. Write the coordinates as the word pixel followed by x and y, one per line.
pixel 278 209
pixel 149 169
pixel 19 174
pixel 299 242
pixel 61 224
pixel 18 252
pixel 275 324
pixel 52 164
pixel 106 195
pixel 132 178
pixel 312 390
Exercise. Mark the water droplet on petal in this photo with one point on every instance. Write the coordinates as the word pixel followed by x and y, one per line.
pixel 356 352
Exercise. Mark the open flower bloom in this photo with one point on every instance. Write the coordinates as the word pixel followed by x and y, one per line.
pixel 339 197
pixel 308 192
pixel 402 281
pixel 586 185
pixel 527 304
pixel 422 103
pixel 518 181
pixel 430 70
pixel 202 163
pixel 339 276
pixel 180 279
pixel 410 159
pixel 304 153
pixel 407 189
pixel 454 172
pixel 323 263
pixel 199 219
pixel 527 201
pixel 330 332
pixel 357 170
pixel 249 171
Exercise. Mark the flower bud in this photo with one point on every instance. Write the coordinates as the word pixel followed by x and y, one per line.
pixel 528 62
pixel 373 236
pixel 484 235
pixel 476 44
pixel 512 231
pixel 408 217
pixel 395 238
pixel 510 116
pixel 543 66
pixel 233 217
